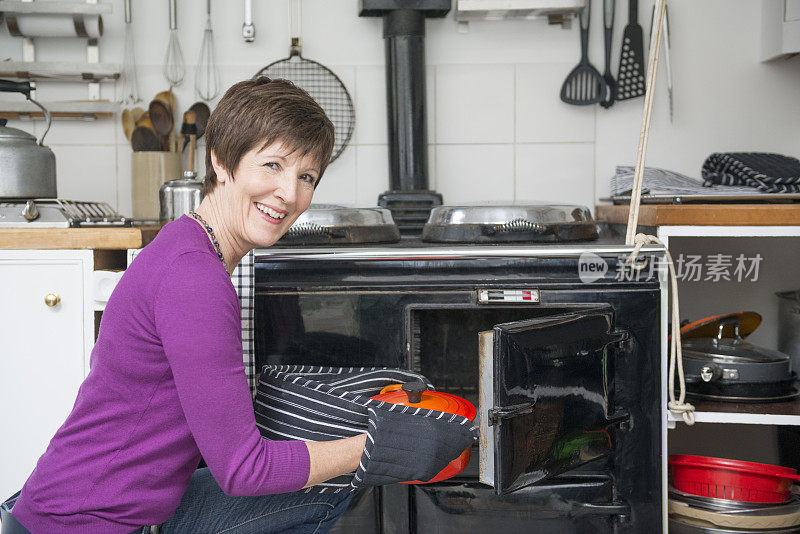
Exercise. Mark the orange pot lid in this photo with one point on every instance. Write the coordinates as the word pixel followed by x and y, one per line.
pixel 709 326
pixel 429 400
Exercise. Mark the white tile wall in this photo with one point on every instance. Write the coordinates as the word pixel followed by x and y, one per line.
pixel 338 185
pixel 370 104
pixel 496 127
pixel 85 172
pixel 541 116
pixel 555 172
pixel 475 173
pixel 372 173
pixel 474 104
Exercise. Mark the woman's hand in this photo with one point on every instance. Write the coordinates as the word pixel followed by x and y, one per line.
pixel 333 458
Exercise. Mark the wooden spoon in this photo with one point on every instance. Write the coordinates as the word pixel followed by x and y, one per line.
pixel 202 113
pixel 145 121
pixel 167 97
pixel 144 139
pixel 137 113
pixel 128 123
pixel 161 117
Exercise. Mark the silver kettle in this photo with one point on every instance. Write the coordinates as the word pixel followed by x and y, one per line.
pixel 179 197
pixel 27 167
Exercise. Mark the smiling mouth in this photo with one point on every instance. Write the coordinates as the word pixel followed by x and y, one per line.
pixel 269 212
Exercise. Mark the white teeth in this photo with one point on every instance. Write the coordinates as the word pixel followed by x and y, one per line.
pixel 269 211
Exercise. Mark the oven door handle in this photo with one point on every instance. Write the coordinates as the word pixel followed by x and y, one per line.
pixel 614 508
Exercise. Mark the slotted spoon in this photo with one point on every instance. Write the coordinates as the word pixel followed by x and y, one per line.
pixel 584 85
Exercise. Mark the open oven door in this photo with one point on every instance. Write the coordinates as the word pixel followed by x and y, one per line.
pixel 546 395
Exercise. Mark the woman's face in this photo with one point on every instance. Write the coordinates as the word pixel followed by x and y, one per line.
pixel 270 189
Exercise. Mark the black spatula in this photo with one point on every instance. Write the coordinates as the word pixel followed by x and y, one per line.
pixel 608 28
pixel 584 85
pixel 630 79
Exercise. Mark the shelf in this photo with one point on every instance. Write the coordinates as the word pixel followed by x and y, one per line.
pixel 473 10
pixel 55 8
pixel 121 238
pixel 57 70
pixel 63 109
pixel 768 413
pixel 728 231
pixel 704 214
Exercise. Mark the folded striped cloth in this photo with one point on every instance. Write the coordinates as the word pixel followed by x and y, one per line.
pixel 312 403
pixel 770 173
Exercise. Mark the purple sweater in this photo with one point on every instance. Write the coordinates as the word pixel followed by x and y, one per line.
pixel 167 384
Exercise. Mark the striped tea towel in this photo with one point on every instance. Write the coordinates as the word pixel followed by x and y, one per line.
pixel 770 173
pixel 312 403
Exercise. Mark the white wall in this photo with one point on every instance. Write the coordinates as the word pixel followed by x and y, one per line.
pixel 497 128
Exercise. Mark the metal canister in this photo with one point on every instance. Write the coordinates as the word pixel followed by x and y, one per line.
pixel 789 325
pixel 179 197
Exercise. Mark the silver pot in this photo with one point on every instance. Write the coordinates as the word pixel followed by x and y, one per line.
pixel 789 325
pixel 27 167
pixel 179 197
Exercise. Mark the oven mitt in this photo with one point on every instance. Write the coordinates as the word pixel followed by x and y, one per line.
pixel 405 444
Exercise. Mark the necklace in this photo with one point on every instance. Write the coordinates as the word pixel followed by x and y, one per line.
pixel 213 237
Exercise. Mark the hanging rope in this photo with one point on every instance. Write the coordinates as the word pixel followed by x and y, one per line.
pixel 639 240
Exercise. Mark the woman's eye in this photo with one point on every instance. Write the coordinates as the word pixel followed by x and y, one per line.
pixel 308 178
pixel 272 165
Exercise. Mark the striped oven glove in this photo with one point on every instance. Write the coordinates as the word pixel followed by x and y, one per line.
pixel 404 445
pixel 324 403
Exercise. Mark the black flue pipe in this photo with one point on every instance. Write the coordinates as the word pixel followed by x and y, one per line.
pixel 404 35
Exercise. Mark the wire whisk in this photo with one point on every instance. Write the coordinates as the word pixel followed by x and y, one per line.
pixel 206 75
pixel 130 84
pixel 174 66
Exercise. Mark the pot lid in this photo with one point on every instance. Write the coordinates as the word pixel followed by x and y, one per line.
pixel 730 350
pixel 7 132
pixel 416 395
pixel 510 223
pixel 325 224
pixel 753 468
pixel 748 321
pixel 335 215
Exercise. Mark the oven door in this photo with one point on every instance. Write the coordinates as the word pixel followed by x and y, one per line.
pixel 546 395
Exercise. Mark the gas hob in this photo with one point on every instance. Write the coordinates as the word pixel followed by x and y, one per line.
pixel 58 213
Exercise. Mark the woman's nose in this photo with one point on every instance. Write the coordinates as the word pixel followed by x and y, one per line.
pixel 287 189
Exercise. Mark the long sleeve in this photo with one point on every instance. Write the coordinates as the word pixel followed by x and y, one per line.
pixel 197 318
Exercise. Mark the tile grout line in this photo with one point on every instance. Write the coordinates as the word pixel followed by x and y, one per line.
pixel 514 135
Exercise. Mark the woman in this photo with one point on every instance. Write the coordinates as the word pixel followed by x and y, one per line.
pixel 167 384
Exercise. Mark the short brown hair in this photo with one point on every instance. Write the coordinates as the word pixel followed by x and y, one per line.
pixel 258 112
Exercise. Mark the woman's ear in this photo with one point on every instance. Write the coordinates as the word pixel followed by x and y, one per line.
pixel 219 170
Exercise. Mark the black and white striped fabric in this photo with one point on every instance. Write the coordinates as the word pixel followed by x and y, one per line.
pixel 313 403
pixel 770 173
pixel 243 279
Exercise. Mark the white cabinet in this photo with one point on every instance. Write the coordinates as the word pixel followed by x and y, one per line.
pixel 46 334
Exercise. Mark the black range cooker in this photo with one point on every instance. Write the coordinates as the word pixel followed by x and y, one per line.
pixel 527 312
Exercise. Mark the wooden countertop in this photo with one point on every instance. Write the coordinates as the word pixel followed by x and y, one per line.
pixel 77 238
pixel 704 214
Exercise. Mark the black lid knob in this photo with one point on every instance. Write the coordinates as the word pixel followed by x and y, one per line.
pixel 414 391
pixel 3 122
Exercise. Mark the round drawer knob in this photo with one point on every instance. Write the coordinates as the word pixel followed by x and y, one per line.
pixel 52 300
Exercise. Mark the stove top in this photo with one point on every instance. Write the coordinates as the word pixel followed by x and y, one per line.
pixel 58 213
pixel 482 224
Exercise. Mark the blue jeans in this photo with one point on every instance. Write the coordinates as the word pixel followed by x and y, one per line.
pixel 205 508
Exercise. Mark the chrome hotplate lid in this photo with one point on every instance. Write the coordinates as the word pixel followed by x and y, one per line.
pixel 323 224
pixel 553 223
